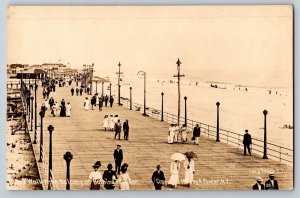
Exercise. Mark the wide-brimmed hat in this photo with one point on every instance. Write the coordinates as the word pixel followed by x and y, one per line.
pixel 97 164
pixel 124 167
pixel 118 145
pixel 259 179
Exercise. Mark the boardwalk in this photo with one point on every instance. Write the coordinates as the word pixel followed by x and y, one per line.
pixel 219 166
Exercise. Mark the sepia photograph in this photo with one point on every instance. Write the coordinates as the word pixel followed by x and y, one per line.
pixel 150 97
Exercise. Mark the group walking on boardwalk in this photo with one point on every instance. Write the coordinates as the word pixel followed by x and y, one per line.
pixel 178 134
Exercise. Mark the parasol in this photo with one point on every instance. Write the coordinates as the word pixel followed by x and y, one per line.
pixel 178 156
pixel 190 154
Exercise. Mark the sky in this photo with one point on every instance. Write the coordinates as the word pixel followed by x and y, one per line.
pixel 250 45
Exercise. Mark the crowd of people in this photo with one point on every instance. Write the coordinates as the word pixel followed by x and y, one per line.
pixel 110 177
pixel 180 134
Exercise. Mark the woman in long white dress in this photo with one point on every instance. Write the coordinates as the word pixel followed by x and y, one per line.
pixel 68 110
pixel 124 179
pixel 184 133
pixel 86 104
pixel 174 171
pixel 171 134
pixel 189 170
pixel 111 122
pixel 105 122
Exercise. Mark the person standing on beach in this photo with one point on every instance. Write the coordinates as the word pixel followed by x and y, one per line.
pixel 118 128
pixel 72 91
pixel 247 141
pixel 118 157
pixel 126 129
pixel 196 134
pixel 158 178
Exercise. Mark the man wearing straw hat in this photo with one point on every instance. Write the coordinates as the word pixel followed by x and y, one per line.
pixel 258 185
pixel 271 184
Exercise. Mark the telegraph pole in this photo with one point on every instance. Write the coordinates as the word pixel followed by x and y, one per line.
pixel 119 77
pixel 178 77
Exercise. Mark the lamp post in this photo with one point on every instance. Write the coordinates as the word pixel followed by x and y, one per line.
pixel 162 106
pixel 31 109
pixel 142 73
pixel 84 68
pixel 185 111
pixel 96 86
pixel 110 90
pixel 265 112
pixel 42 114
pixel 119 86
pixel 178 77
pixel 68 157
pixel 50 129
pixel 35 112
pixel 218 126
pixel 102 89
pixel 130 88
pixel 91 70
pixel 119 95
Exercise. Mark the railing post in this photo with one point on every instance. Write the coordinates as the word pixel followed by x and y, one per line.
pixel 227 137
pixel 31 109
pixel 208 130
pixel 162 106
pixel 185 110
pixel 130 88
pixel 50 129
pixel 265 112
pixel 280 154
pixel 218 126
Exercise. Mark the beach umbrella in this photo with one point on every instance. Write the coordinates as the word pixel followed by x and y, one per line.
pixel 190 154
pixel 178 156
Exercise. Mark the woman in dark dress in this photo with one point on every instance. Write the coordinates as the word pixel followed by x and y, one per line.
pixel 62 111
pixel 109 177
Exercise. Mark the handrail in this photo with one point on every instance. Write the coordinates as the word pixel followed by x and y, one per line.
pixel 277 152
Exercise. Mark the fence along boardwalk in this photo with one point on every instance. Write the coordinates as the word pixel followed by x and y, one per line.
pixel 219 165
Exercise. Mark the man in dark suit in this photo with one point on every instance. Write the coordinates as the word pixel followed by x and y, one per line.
pixel 271 184
pixel 109 177
pixel 196 134
pixel 118 157
pixel 158 178
pixel 247 141
pixel 126 129
pixel 258 185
